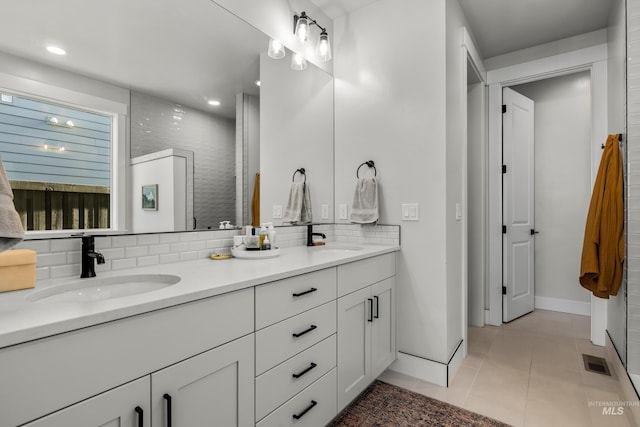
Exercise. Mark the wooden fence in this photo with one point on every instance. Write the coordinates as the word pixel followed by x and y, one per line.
pixel 53 206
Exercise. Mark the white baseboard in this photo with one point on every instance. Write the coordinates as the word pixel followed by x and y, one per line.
pixel 563 305
pixel 428 370
pixel 423 369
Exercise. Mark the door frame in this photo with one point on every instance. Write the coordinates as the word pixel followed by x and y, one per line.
pixel 593 59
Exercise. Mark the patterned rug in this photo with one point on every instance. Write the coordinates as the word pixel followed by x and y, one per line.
pixel 385 405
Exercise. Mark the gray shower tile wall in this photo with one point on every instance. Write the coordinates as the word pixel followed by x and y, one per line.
pixel 633 187
pixel 157 125
pixel 58 258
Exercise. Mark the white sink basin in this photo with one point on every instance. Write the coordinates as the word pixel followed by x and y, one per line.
pixel 337 248
pixel 102 288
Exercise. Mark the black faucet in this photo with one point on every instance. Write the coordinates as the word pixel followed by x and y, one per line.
pixel 310 235
pixel 88 255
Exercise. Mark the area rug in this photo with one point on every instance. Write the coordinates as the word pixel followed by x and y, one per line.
pixel 385 405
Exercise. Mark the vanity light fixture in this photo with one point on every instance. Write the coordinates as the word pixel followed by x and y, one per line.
pixel 276 49
pixel 298 62
pixel 301 27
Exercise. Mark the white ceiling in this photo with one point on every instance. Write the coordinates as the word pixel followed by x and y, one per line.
pixel 188 54
pixel 503 26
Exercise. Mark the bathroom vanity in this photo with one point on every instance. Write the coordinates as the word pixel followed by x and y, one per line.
pixel 284 341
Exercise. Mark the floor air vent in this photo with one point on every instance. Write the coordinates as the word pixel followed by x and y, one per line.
pixel 595 364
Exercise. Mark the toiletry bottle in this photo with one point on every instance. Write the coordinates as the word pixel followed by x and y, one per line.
pixel 266 245
pixel 262 234
pixel 271 234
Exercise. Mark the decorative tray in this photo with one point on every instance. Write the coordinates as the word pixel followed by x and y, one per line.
pixel 245 254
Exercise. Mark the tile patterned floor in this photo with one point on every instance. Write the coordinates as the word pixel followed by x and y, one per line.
pixel 530 373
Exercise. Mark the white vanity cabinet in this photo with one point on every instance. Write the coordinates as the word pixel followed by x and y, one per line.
pixel 296 350
pixel 194 343
pixel 366 324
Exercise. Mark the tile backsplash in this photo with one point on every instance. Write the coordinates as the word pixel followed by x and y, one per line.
pixel 59 258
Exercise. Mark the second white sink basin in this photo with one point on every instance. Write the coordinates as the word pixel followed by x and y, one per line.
pixel 337 248
pixel 102 288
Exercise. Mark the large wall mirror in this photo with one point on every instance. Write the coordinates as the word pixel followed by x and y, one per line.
pixel 194 115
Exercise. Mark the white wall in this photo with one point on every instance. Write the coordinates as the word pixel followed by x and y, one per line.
pixel 296 131
pixel 390 107
pixel 617 97
pixel 478 294
pixel 562 183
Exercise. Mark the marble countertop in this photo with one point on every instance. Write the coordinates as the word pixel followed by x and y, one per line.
pixel 22 320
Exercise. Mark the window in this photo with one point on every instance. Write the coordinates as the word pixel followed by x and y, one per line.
pixel 58 162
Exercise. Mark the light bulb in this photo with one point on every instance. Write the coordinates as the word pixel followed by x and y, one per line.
pixel 276 49
pixel 302 28
pixel 53 121
pixel 323 50
pixel 69 123
pixel 298 62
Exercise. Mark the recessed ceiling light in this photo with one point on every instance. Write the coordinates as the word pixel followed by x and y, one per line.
pixel 56 50
pixel 214 102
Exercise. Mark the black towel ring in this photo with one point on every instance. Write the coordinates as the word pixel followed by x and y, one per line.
pixel 370 164
pixel 302 172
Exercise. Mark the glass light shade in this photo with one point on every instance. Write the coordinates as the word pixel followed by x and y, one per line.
pixel 298 62
pixel 323 50
pixel 302 28
pixel 276 49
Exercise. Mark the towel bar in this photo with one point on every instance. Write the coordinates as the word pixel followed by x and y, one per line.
pixel 302 172
pixel 370 164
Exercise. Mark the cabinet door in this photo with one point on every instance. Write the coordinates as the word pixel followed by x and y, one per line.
pixel 213 388
pixel 124 406
pixel 354 345
pixel 383 328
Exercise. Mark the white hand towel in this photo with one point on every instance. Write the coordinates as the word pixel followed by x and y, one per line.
pixel 11 231
pixel 299 205
pixel 365 201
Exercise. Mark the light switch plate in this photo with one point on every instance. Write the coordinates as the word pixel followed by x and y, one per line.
pixel 277 211
pixel 325 211
pixel 458 211
pixel 410 212
pixel 344 211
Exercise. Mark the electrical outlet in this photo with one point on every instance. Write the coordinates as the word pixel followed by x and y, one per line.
pixel 344 211
pixel 277 211
pixel 325 211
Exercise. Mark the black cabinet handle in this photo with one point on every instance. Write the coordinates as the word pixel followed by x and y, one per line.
pixel 305 292
pixel 376 316
pixel 167 397
pixel 301 414
pixel 140 413
pixel 313 365
pixel 370 319
pixel 299 334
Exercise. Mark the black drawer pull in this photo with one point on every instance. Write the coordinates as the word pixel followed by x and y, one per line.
pixel 167 397
pixel 370 319
pixel 301 414
pixel 305 292
pixel 299 334
pixel 313 365
pixel 376 316
pixel 140 413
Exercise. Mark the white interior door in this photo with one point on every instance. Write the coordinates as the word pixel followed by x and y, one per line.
pixel 518 205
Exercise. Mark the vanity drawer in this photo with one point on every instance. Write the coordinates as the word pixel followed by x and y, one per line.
pixel 279 342
pixel 357 275
pixel 315 406
pixel 281 383
pixel 285 298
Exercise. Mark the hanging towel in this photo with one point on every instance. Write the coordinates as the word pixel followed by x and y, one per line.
pixel 11 231
pixel 603 248
pixel 255 203
pixel 365 201
pixel 299 205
